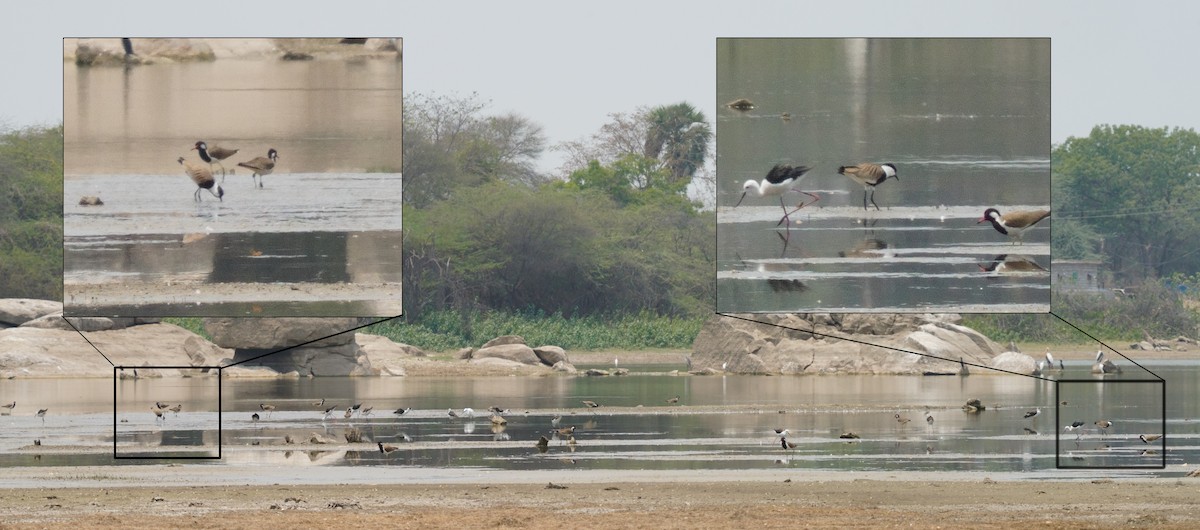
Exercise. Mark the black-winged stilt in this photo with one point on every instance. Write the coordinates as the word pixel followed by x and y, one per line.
pixel 778 181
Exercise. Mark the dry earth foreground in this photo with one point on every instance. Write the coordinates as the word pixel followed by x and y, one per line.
pixel 884 501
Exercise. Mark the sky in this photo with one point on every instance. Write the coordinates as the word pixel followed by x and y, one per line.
pixel 568 65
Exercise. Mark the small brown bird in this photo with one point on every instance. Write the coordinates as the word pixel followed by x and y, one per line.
pixel 1147 438
pixel 203 178
pixel 591 404
pixel 451 413
pixel 262 165
pixel 9 406
pixel 869 175
pixel 565 431
pixel 902 420
pixel 1013 224
pixel 42 414
pixel 386 449
pixel 178 407
pixel 267 408
pixel 214 155
pixel 367 411
pixel 786 444
pixel 498 420
pixel 158 414
pixel 1103 424
pixel 673 400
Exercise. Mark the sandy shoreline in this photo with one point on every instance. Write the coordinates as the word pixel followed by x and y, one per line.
pixel 762 499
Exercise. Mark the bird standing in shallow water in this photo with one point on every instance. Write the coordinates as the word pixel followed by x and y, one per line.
pixel 9 406
pixel 870 175
pixel 214 155
pixel 779 181
pixel 386 449
pixel 1013 224
pixel 203 179
pixel 267 408
pixel 1033 413
pixel 1147 438
pixel 261 166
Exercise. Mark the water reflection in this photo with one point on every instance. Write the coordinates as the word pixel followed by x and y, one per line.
pixel 723 422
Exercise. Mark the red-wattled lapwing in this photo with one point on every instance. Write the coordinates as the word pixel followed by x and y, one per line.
pixel 254 418
pixel 261 166
pixel 159 414
pixel 214 155
pixel 565 431
pixel 267 408
pixel 778 181
pixel 869 176
pixel 386 449
pixel 202 177
pixel 1147 438
pixel 1013 224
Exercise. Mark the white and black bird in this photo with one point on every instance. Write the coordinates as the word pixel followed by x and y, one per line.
pixel 261 166
pixel 869 176
pixel 451 413
pixel 328 412
pixel 202 177
pixel 1032 413
pixel 267 408
pixel 9 406
pixel 41 413
pixel 214 155
pixel 1013 224
pixel 1147 438
pixel 781 179
pixel 401 411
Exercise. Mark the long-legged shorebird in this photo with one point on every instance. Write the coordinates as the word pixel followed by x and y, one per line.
pixel 261 166
pixel 349 412
pixel 203 179
pixel 590 404
pixel 1147 438
pixel 1033 413
pixel 178 407
pixel 778 181
pixel 214 155
pixel 158 414
pixel 1013 224
pixel 386 449
pixel 254 418
pixel 673 400
pixel 869 176
pixel 9 406
pixel 556 420
pixel 267 408
pixel 328 412
pixel 42 414
pixel 786 444
pixel 451 413
pixel 401 411
pixel 366 411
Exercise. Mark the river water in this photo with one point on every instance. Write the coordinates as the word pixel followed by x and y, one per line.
pixel 719 422
pixel 966 122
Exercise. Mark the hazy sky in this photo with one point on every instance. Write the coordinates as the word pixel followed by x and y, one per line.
pixel 567 65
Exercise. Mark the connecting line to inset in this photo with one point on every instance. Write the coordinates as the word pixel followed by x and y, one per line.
pixel 88 341
pixel 281 350
pixel 1089 335
pixel 864 343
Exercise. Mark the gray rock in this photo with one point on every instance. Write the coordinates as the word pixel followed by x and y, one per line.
pixel 275 333
pixel 376 345
pixel 496 362
pixel 503 340
pixel 465 353
pixel 551 355
pixel 512 352
pixel 327 361
pixel 17 311
pixel 90 200
pixel 564 366
pixel 39 352
pixel 1014 362
pixel 814 344
pixel 596 372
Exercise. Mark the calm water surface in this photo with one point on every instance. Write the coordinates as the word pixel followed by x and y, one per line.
pixel 719 423
pixel 967 123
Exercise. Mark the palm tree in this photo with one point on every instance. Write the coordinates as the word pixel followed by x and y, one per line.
pixel 678 136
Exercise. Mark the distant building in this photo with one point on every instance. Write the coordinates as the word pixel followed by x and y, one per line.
pixel 1077 276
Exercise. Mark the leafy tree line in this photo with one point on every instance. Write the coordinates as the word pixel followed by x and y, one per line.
pixel 1127 195
pixel 613 232
pixel 31 195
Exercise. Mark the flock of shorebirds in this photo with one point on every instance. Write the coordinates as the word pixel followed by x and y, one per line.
pixel 202 174
pixel 783 178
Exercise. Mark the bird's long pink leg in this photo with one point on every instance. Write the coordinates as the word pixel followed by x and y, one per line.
pixel 803 204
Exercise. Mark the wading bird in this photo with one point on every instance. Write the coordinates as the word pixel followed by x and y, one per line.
pixel 778 181
pixel 261 166
pixel 203 179
pixel 1013 224
pixel 869 176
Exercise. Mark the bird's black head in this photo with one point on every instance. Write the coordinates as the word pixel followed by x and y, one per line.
pixel 988 215
pixel 272 154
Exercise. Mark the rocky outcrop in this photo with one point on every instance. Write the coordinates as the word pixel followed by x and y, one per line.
pixel 513 348
pixel 105 52
pixel 551 355
pixel 511 352
pixel 1014 362
pixel 287 344
pixel 86 324
pixel 829 344
pixel 40 352
pixel 17 311
pixel 503 340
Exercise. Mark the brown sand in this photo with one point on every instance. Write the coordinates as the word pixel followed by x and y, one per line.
pixel 859 503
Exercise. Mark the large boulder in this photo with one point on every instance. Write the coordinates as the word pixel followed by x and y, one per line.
pixel 1014 362
pixel 504 339
pixel 551 355
pixel 17 311
pixel 274 333
pixel 510 352
pixel 85 324
pixel 825 343
pixel 39 352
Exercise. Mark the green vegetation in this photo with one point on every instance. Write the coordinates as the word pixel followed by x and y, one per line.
pixel 31 195
pixel 450 330
pixel 1155 310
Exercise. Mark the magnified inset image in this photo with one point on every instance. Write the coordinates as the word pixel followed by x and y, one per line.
pixel 232 177
pixel 883 175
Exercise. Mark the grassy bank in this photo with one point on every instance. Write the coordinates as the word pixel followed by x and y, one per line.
pixel 451 330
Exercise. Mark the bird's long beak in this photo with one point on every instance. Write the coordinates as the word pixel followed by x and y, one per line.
pixel 193 148
pixel 981 219
pixel 740 200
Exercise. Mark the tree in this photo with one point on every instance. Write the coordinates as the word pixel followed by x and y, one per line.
pixel 677 137
pixel 449 143
pixel 31 195
pixel 1136 187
